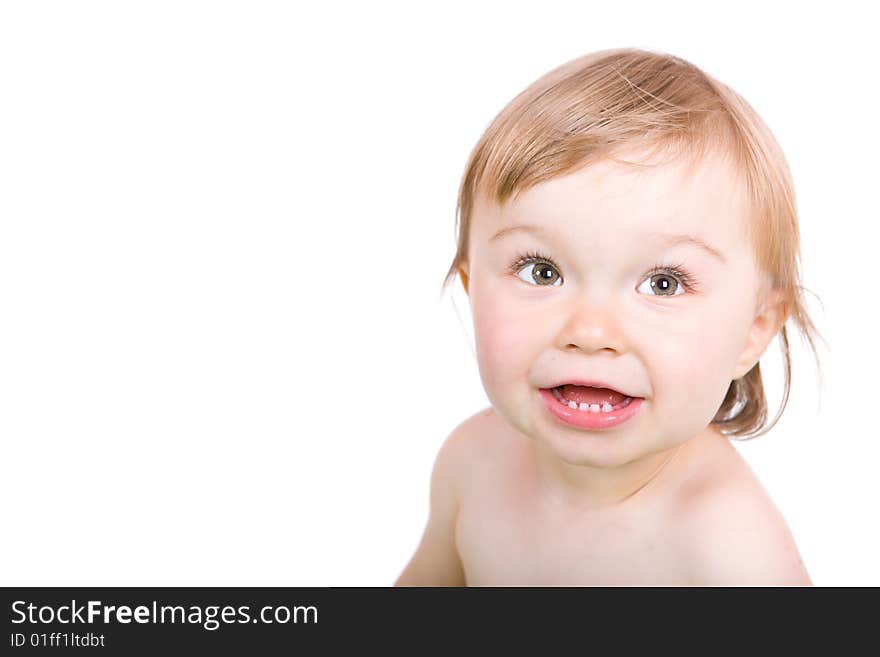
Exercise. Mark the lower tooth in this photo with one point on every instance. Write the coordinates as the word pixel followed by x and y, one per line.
pixel 591 408
pixel 584 407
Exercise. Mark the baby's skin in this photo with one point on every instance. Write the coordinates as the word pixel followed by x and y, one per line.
pixel 701 519
pixel 521 497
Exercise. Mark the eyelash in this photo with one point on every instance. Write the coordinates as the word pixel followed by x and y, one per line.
pixel 689 283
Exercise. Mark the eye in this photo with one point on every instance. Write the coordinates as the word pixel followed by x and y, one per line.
pixel 667 282
pixel 536 269
pixel 663 281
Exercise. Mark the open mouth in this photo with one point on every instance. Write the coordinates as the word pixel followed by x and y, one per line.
pixel 590 400
pixel 590 408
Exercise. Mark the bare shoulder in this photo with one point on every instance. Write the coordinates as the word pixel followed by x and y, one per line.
pixel 734 535
pixel 436 561
pixel 468 442
pixel 478 449
pixel 480 430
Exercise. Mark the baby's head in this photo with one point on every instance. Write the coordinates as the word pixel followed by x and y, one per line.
pixel 629 219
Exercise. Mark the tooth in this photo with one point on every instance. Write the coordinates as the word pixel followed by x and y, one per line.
pixel 572 404
pixel 594 408
pixel 584 406
pixel 606 407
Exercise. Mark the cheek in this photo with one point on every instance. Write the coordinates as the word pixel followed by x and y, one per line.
pixel 505 342
pixel 695 361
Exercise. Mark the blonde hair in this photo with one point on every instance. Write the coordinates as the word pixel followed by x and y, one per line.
pixel 606 102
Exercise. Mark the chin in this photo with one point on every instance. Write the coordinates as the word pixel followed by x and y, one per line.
pixel 591 448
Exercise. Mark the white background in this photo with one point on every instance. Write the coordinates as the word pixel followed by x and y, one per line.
pixel 224 355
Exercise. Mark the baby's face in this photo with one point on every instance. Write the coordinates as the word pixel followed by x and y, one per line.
pixel 604 300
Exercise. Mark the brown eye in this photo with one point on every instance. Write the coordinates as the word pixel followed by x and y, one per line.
pixel 664 285
pixel 541 273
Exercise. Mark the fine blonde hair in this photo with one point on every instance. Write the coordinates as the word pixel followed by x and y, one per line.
pixel 607 102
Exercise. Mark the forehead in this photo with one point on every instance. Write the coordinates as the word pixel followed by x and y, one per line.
pixel 701 198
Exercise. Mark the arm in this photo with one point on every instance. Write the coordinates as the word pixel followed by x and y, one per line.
pixel 436 561
pixel 737 537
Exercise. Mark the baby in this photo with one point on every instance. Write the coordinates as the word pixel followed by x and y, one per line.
pixel 629 245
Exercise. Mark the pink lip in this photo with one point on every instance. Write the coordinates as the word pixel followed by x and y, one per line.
pixel 586 419
pixel 590 384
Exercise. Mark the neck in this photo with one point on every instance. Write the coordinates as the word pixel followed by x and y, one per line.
pixel 584 487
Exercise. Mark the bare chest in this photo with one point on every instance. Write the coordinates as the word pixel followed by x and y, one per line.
pixel 505 538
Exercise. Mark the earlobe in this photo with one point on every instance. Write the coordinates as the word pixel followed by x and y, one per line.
pixel 769 320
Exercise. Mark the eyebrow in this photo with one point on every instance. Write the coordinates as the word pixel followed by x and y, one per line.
pixel 666 238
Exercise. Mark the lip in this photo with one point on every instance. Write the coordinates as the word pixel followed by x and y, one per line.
pixel 586 419
pixel 590 384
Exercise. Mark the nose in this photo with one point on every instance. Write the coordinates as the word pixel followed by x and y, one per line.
pixel 591 325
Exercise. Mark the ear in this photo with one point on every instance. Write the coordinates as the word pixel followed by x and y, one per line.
pixel 463 273
pixel 769 320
